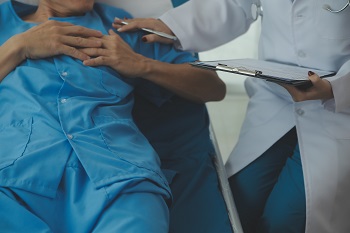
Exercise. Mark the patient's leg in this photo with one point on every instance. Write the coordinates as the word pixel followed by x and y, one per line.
pixel 130 205
pixel 14 217
pixel 135 212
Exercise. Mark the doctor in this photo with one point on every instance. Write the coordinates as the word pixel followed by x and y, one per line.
pixel 289 170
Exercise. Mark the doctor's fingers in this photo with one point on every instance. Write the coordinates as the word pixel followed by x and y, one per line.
pixel 149 23
pixel 151 38
pixel 124 25
pixel 320 90
pixel 321 87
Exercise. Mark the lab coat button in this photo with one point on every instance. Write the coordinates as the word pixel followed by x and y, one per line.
pixel 64 74
pixel 69 136
pixel 300 112
pixel 63 101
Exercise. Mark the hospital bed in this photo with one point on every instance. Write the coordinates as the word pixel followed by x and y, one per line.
pixel 225 187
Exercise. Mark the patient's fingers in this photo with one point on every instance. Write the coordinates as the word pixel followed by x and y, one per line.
pixel 98 61
pixel 73 52
pixel 94 52
pixel 65 28
pixel 117 54
pixel 54 38
pixel 73 35
pixel 81 42
pixel 75 30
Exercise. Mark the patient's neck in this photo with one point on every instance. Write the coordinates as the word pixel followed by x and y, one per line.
pixel 46 11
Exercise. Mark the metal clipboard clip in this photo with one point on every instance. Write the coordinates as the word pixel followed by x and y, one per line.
pixel 238 70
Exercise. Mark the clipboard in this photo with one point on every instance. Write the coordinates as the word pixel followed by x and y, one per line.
pixel 269 71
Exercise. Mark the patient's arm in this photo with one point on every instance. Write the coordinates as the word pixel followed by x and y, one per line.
pixel 10 57
pixel 46 40
pixel 184 80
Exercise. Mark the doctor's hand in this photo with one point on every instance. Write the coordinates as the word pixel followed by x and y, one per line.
pixel 150 23
pixel 321 89
pixel 56 38
pixel 118 55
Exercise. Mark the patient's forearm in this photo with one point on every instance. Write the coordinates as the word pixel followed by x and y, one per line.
pixel 11 56
pixel 189 82
pixel 184 80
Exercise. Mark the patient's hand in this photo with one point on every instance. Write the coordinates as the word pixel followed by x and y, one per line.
pixel 150 23
pixel 55 38
pixel 117 54
pixel 192 83
pixel 321 89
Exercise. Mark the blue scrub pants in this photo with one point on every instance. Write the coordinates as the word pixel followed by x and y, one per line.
pixel 269 193
pixel 128 207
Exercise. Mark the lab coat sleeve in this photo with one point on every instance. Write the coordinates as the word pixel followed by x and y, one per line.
pixel 205 24
pixel 340 86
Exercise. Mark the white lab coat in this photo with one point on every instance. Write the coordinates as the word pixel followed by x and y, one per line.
pixel 304 34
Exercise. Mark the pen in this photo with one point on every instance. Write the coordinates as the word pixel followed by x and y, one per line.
pixel 162 34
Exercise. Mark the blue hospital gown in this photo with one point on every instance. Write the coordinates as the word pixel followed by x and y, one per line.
pixel 48 107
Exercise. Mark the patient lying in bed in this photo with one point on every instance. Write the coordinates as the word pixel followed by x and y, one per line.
pixel 68 140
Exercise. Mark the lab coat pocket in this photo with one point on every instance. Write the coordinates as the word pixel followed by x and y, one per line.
pixel 14 138
pixel 336 124
pixel 332 25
